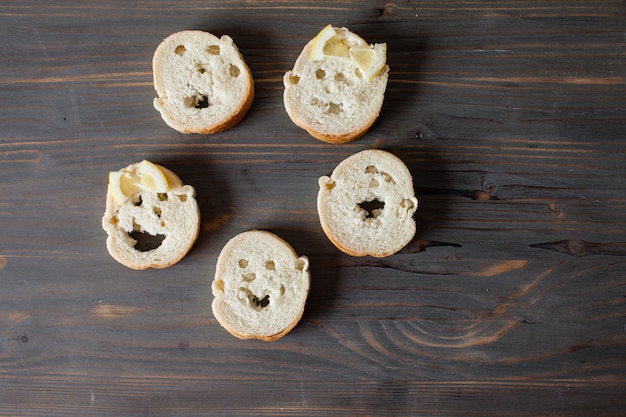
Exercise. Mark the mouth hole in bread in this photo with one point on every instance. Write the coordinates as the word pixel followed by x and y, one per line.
pixel 162 196
pixel 234 71
pixel 157 211
pixel 340 77
pixel 243 263
pixel 250 276
pixel 262 303
pixel 320 74
pixel 137 201
pixel 200 101
pixel 213 49
pixel 270 265
pixel 145 242
pixel 372 208
pixel 201 70
pixel 371 170
pixel 180 50
pixel 257 303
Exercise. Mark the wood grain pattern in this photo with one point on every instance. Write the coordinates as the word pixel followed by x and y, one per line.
pixel 511 300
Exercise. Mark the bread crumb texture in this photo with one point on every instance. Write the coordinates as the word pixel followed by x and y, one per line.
pixel 260 286
pixel 202 81
pixel 366 206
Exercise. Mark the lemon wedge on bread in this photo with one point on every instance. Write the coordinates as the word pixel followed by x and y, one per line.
pixel 151 218
pixel 369 59
pixel 143 176
pixel 336 88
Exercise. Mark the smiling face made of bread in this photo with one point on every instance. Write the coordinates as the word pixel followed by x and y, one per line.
pixel 260 286
pixel 366 206
pixel 151 229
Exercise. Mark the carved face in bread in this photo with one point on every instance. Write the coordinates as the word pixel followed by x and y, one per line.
pixel 202 81
pixel 329 98
pixel 260 286
pixel 152 229
pixel 366 206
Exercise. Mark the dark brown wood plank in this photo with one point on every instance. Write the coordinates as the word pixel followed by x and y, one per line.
pixel 511 300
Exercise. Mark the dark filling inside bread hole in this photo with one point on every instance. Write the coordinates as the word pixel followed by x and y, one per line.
pixel 146 242
pixel 373 208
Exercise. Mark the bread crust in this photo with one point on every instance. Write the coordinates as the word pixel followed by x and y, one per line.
pixel 370 175
pixel 286 284
pixel 167 68
pixel 304 92
pixel 177 221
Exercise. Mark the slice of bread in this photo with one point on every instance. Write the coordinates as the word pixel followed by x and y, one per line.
pixel 203 83
pixel 147 217
pixel 329 98
pixel 260 286
pixel 366 206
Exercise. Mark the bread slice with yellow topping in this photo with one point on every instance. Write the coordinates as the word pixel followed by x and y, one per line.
pixel 151 218
pixel 336 88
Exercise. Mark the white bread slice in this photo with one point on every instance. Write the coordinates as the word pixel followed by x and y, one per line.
pixel 174 215
pixel 329 98
pixel 373 178
pixel 260 286
pixel 203 83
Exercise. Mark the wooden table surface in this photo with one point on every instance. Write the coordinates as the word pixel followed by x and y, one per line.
pixel 510 301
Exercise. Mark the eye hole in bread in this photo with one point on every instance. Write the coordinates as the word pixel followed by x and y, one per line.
pixel 213 50
pixel 320 74
pixel 180 50
pixel 234 71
